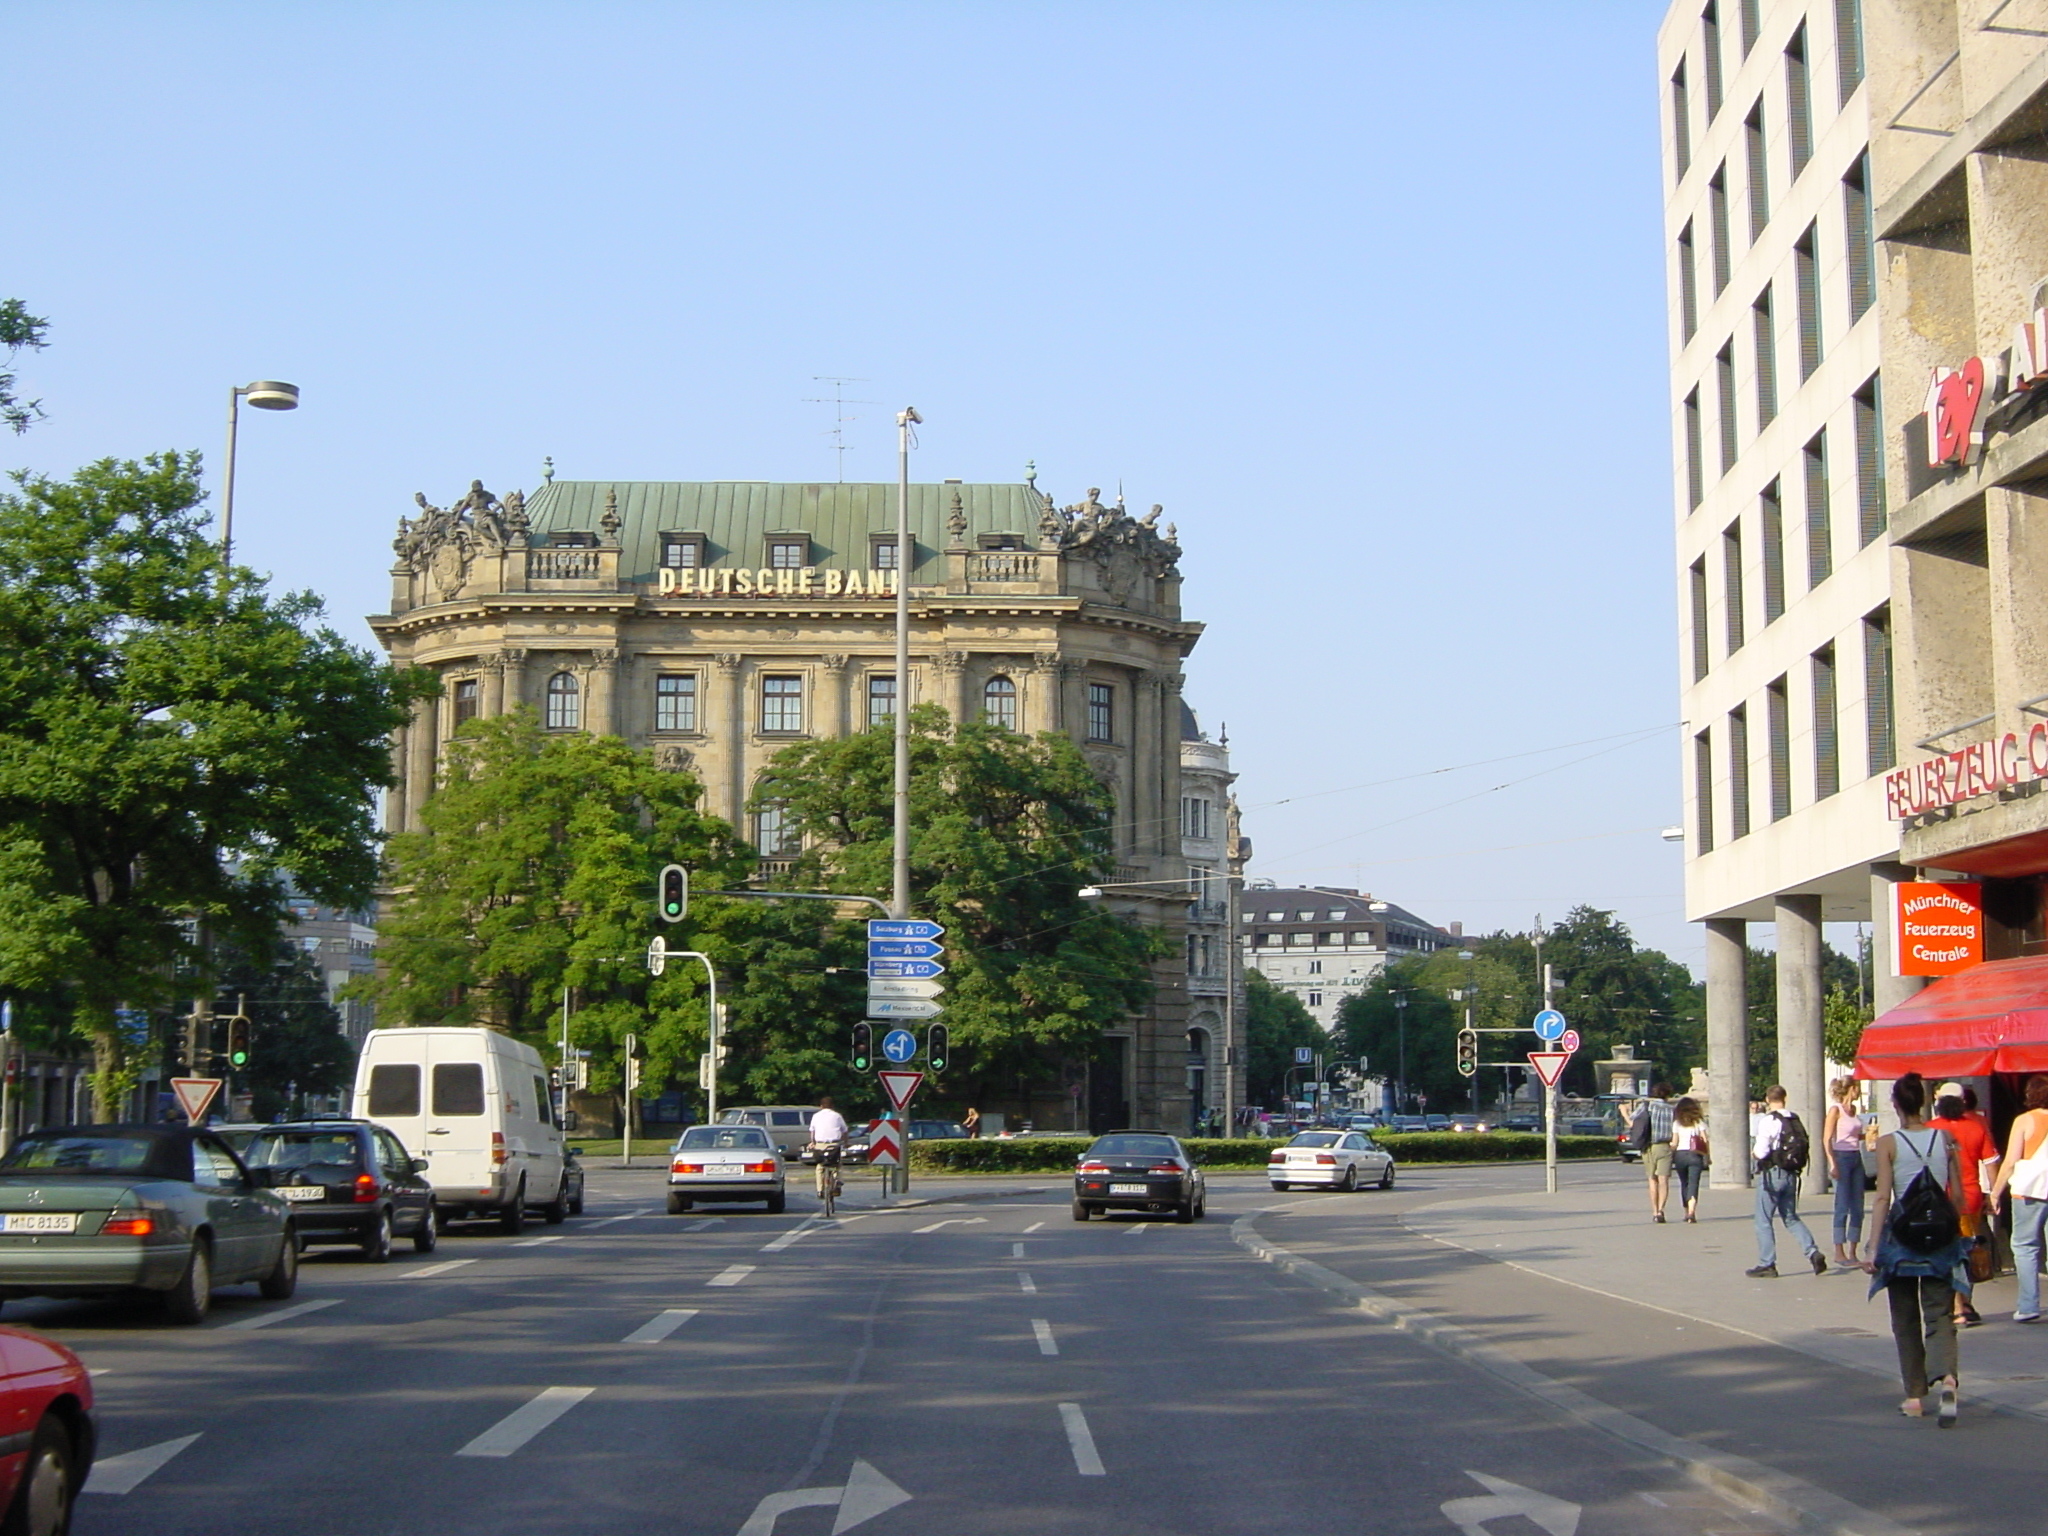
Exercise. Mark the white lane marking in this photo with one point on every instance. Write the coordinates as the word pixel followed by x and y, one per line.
pixel 1026 1284
pixel 1016 1250
pixel 265 1319
pixel 1137 1228
pixel 525 1421
pixel 802 1229
pixel 124 1473
pixel 1043 1329
pixel 732 1276
pixel 535 1242
pixel 951 1221
pixel 664 1323
pixel 699 1226
pixel 615 1220
pixel 1086 1462
pixel 434 1269
pixel 867 1493
pixel 1033 1228
pixel 98 1371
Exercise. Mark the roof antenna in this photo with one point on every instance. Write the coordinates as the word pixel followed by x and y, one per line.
pixel 839 403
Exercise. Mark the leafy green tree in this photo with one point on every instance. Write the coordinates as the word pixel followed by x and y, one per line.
pixel 18 329
pixel 1406 1012
pixel 1842 1023
pixel 1760 979
pixel 297 1048
pixel 173 745
pixel 1275 1022
pixel 1007 831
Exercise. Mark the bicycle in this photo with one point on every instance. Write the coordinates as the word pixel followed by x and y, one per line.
pixel 830 1186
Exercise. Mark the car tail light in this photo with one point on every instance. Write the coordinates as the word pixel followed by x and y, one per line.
pixel 1277 1157
pixel 366 1188
pixel 497 1149
pixel 1094 1167
pixel 1172 1168
pixel 761 1167
pixel 1326 1159
pixel 128 1226
pixel 685 1167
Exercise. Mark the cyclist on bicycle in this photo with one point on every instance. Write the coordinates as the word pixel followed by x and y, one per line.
pixel 828 1137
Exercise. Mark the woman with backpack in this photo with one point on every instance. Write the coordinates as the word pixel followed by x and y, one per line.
pixel 1917 1249
pixel 2025 1168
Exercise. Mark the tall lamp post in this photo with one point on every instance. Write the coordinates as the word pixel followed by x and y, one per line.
pixel 265 395
pixel 899 892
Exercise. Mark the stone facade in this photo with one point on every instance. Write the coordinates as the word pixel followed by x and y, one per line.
pixel 716 622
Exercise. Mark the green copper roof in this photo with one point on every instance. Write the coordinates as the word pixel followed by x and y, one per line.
pixel 737 516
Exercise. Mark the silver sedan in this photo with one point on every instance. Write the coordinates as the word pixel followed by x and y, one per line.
pixel 721 1163
pixel 1332 1160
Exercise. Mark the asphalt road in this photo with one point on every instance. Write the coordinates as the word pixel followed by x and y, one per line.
pixel 982 1366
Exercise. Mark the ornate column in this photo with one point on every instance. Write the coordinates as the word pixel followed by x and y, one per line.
pixel 494 685
pixel 1166 772
pixel 832 695
pixel 419 761
pixel 599 674
pixel 1041 706
pixel 1073 700
pixel 734 734
pixel 1145 769
pixel 953 685
pixel 513 658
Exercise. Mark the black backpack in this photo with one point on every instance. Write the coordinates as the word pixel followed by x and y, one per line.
pixel 1792 1149
pixel 1639 1131
pixel 1924 1218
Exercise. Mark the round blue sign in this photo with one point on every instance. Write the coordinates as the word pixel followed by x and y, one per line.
pixel 1549 1024
pixel 899 1045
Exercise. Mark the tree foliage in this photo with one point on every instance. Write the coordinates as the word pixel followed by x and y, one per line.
pixel 297 1048
pixel 1275 1022
pixel 18 329
pixel 173 745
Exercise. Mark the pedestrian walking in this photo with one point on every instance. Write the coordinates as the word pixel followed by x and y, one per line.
pixel 1917 1250
pixel 2024 1169
pixel 1651 1132
pixel 1974 1150
pixel 1843 1137
pixel 1779 1148
pixel 971 1122
pixel 1689 1153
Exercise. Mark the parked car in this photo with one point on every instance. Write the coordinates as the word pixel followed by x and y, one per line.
pixel 347 1181
pixel 1139 1171
pixel 1409 1123
pixel 724 1162
pixel 1336 1159
pixel 1437 1122
pixel 935 1130
pixel 1522 1123
pixel 1584 1128
pixel 46 1399
pixel 109 1210
pixel 853 1152
pixel 1470 1122
pixel 788 1125
pixel 475 1103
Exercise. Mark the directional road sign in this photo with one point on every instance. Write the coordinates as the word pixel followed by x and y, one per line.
pixel 195 1094
pixel 902 1008
pixel 899 1045
pixel 1549 1065
pixel 885 1144
pixel 1548 1024
pixel 879 986
pixel 905 968
pixel 902 928
pixel 867 1494
pixel 904 949
pixel 657 956
pixel 899 1086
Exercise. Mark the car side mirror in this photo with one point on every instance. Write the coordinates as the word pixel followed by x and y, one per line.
pixel 419 1165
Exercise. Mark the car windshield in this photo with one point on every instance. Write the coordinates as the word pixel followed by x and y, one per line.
pixel 137 1152
pixel 303 1149
pixel 1134 1146
pixel 708 1138
pixel 1316 1139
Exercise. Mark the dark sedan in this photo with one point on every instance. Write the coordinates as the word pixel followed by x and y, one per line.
pixel 1139 1171
pixel 347 1181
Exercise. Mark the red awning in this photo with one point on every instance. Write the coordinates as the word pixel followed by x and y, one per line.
pixel 1993 1018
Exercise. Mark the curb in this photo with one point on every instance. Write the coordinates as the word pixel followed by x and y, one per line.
pixel 1793 1500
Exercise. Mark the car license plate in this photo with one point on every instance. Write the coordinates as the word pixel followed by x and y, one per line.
pixel 1128 1189
pixel 723 1170
pixel 38 1221
pixel 303 1191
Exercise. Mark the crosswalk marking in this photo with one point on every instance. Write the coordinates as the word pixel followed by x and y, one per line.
pixel 525 1421
pixel 663 1324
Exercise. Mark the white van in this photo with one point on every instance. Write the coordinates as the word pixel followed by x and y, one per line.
pixel 474 1103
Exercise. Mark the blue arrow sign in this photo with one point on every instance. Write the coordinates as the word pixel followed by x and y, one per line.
pixel 899 1045
pixel 904 949
pixel 1549 1024
pixel 911 968
pixel 902 928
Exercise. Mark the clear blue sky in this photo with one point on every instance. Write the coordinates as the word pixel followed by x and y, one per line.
pixel 1367 295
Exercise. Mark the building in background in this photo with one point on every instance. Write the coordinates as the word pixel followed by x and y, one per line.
pixel 1324 943
pixel 343 945
pixel 1215 850
pixel 1784 578
pixel 715 623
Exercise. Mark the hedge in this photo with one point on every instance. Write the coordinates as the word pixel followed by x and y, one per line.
pixel 1058 1154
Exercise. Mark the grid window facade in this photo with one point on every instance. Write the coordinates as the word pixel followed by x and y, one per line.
pixel 881 699
pixel 1695 472
pixel 1681 121
pixel 1196 816
pixel 1101 712
pixel 1771 530
pixel 1747 11
pixel 1862 251
pixel 1738 771
pixel 782 704
pixel 1778 730
pixel 1759 172
pixel 1764 330
pixel 1848 46
pixel 1698 580
pixel 1703 791
pixel 675 701
pixel 1710 56
pixel 1827 742
pixel 1806 292
pixel 1731 584
pixel 564 710
pixel 1880 745
pixel 1798 101
pixel 1820 536
pixel 1688 284
pixel 1717 214
pixel 1724 390
pixel 999 703
pixel 465 699
pixel 1871 515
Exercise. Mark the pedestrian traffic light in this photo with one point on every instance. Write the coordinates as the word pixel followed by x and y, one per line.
pixel 1468 1051
pixel 936 1048
pixel 674 900
pixel 238 1041
pixel 863 1055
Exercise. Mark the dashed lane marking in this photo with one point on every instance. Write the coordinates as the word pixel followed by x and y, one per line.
pixel 1043 1329
pixel 663 1324
pixel 1086 1461
pixel 706 1224
pixel 731 1276
pixel 1016 1250
pixel 612 1221
pixel 1026 1284
pixel 125 1473
pixel 512 1432
pixel 1033 1228
pixel 796 1233
pixel 265 1319
pixel 535 1242
pixel 1137 1228
pixel 951 1221
pixel 434 1269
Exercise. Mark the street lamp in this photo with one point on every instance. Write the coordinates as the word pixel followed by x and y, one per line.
pixel 265 395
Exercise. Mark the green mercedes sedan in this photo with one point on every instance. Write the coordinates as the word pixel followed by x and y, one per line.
pixel 108 1210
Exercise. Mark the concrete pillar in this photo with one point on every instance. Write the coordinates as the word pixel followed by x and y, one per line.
pixel 1887 990
pixel 419 761
pixel 1728 1051
pixel 1800 1066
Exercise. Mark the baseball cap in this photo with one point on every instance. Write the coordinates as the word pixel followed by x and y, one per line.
pixel 1949 1091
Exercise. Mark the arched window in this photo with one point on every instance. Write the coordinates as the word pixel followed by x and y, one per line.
pixel 774 837
pixel 565 703
pixel 999 703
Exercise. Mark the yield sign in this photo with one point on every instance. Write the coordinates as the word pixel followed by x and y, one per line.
pixel 899 1086
pixel 194 1095
pixel 1549 1065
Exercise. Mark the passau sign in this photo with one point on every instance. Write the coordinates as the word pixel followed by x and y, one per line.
pixel 1982 768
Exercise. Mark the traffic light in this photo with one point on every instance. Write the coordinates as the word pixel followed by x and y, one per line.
pixel 936 1048
pixel 1468 1051
pixel 238 1041
pixel 674 900
pixel 863 1054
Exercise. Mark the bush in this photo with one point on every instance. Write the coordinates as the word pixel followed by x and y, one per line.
pixel 1058 1154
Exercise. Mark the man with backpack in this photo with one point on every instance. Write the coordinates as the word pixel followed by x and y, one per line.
pixel 1780 1148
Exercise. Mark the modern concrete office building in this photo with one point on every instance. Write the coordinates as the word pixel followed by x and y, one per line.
pixel 1784 583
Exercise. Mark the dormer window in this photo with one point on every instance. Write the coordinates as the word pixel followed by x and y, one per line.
pixel 788 551
pixel 1001 541
pixel 882 552
pixel 572 540
pixel 682 551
